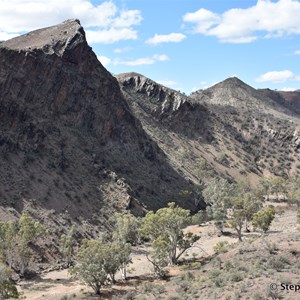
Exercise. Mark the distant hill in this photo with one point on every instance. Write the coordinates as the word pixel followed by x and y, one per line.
pixel 230 129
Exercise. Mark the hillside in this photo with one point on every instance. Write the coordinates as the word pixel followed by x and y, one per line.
pixel 230 129
pixel 70 147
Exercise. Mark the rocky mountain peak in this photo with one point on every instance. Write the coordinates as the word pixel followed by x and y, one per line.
pixel 59 39
pixel 159 100
pixel 65 123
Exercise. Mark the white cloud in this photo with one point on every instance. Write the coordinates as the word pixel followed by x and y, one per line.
pixel 166 38
pixel 288 89
pixel 268 19
pixel 203 19
pixel 143 61
pixel 121 50
pixel 161 57
pixel 19 16
pixel 297 52
pixel 167 82
pixel 276 76
pixel 105 61
pixel 110 36
pixel 6 36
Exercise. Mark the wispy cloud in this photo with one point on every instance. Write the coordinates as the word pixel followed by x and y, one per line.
pixel 276 76
pixel 122 50
pixel 111 35
pixel 166 38
pixel 6 36
pixel 266 19
pixel 105 61
pixel 288 89
pixel 105 23
pixel 143 60
pixel 297 52
pixel 169 83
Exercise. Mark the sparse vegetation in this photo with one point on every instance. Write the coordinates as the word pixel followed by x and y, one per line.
pixel 169 242
pixel 8 289
pixel 263 218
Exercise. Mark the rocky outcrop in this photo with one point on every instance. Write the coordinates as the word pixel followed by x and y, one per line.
pixel 172 109
pixel 161 102
pixel 63 122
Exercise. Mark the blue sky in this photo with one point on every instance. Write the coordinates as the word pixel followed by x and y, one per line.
pixel 184 44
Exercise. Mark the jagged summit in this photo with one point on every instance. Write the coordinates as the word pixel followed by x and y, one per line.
pixel 51 40
pixel 159 100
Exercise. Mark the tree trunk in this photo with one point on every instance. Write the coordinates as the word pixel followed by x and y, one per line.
pixel 123 272
pixel 239 232
pixel 112 277
pixel 247 229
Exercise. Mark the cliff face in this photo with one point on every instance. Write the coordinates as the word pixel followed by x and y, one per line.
pixel 68 139
pixel 170 109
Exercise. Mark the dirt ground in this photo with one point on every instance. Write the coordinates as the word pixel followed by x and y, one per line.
pixel 58 284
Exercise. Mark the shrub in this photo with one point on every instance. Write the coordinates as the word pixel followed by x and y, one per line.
pixel 221 247
pixel 263 218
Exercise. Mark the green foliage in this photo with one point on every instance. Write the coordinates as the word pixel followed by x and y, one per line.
pixel 263 218
pixel 97 259
pixel 29 229
pixel 8 289
pixel 243 207
pixel 298 215
pixel 217 195
pixel 8 233
pixel 294 191
pixel 90 265
pixel 68 243
pixel 221 247
pixel 199 218
pixel 15 238
pixel 125 228
pixel 164 228
pixel 273 185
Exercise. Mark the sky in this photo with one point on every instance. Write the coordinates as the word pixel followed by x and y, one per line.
pixel 183 44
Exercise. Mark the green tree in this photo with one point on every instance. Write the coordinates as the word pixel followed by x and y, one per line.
pixel 90 266
pixel 125 228
pixel 8 289
pixel 29 230
pixel 265 185
pixel 159 256
pixel 263 218
pixel 124 257
pixel 68 244
pixel 166 225
pixel 294 191
pixel 217 195
pixel 237 215
pixel 8 233
pixel 15 238
pixel 278 186
pixel 252 204
pixel 98 259
pixel 244 203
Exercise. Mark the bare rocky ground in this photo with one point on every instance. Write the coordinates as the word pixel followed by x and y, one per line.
pixel 243 271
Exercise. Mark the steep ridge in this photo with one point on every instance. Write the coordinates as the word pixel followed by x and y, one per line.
pixel 169 108
pixel 288 99
pixel 68 140
pixel 243 132
pixel 236 93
